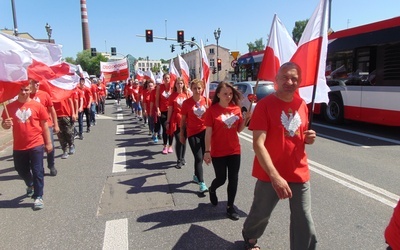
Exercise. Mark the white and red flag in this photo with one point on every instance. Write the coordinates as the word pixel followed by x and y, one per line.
pixel 184 70
pixel 115 71
pixel 311 56
pixel 148 75
pixel 139 75
pixel 46 63
pixel 205 73
pixel 279 50
pixel 14 63
pixel 173 72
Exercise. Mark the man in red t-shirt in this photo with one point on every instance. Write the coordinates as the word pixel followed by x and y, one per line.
pixel 45 99
pixel 87 101
pixel 28 120
pixel 66 119
pixel 280 132
pixel 95 99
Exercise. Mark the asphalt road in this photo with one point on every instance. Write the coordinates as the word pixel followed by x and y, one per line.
pixel 119 192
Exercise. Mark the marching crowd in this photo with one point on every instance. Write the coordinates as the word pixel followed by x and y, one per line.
pixel 175 110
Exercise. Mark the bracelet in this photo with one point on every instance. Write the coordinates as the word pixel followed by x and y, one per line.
pixel 206 151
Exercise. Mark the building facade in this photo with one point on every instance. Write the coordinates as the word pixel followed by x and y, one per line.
pixel 193 59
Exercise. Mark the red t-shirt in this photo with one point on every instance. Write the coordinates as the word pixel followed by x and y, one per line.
pixel 93 89
pixel 101 89
pixel 63 108
pixel 87 94
pixel 136 93
pixel 225 124
pixel 194 113
pixel 175 101
pixel 26 117
pixel 146 99
pixel 392 232
pixel 163 97
pixel 44 98
pixel 153 100
pixel 284 123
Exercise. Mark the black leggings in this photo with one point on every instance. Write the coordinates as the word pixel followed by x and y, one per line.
pixel 166 137
pixel 230 163
pixel 180 148
pixel 198 146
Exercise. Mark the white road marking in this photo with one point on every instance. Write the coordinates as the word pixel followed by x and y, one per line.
pixel 120 116
pixel 341 140
pixel 119 164
pixel 358 185
pixel 359 133
pixel 120 130
pixel 116 235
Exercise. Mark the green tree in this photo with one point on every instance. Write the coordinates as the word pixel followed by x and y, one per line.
pixel 90 64
pixel 298 29
pixel 70 60
pixel 256 46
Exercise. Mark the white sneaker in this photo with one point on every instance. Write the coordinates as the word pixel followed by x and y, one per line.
pixel 38 203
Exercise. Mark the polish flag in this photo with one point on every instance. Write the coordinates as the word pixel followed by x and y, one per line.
pixel 148 75
pixel 139 75
pixel 173 72
pixel 279 50
pixel 115 70
pixel 311 56
pixel 46 63
pixel 14 63
pixel 205 74
pixel 184 70
pixel 47 58
pixel 62 87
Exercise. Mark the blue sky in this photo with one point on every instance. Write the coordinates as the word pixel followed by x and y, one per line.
pixel 116 23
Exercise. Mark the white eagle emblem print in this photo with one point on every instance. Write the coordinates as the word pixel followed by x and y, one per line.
pixel 23 115
pixel 291 122
pixel 199 111
pixel 229 119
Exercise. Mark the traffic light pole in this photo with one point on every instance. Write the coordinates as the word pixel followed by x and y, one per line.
pixel 186 42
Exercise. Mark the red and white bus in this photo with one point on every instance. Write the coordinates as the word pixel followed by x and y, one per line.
pixel 363 72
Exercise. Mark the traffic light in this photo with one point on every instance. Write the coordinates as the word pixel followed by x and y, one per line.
pixel 113 51
pixel 172 48
pixel 192 43
pixel 219 62
pixel 149 36
pixel 93 52
pixel 181 36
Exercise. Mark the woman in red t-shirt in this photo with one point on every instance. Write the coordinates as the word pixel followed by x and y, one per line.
pixel 192 122
pixel 223 122
pixel 178 96
pixel 148 87
pixel 163 91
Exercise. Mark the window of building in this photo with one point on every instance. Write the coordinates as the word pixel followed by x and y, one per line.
pixel 212 63
pixel 212 51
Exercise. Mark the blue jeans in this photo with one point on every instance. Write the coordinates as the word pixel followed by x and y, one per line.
pixel 93 112
pixel 29 165
pixel 50 156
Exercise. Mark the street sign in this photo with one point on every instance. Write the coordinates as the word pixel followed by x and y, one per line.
pixel 235 54
pixel 234 63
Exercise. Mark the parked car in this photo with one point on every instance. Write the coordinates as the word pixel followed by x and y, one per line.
pixel 213 88
pixel 264 89
pixel 111 90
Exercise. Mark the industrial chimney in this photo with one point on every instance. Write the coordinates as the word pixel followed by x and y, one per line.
pixel 85 26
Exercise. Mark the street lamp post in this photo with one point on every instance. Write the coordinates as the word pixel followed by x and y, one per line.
pixel 217 34
pixel 48 30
